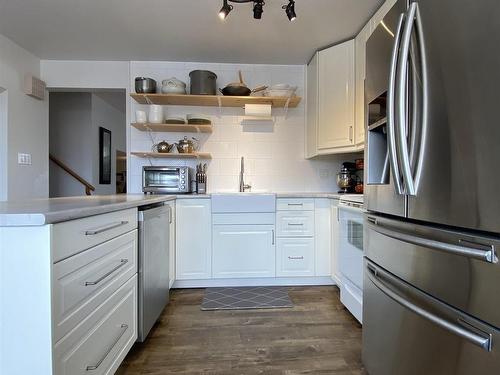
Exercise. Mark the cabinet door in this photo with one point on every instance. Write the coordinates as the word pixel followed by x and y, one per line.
pixel 360 110
pixel 295 257
pixel 171 258
pixel 335 244
pixel 312 108
pixel 193 239
pixel 241 251
pixel 323 236
pixel 336 96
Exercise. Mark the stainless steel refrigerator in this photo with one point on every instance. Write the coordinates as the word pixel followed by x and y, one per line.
pixel 432 230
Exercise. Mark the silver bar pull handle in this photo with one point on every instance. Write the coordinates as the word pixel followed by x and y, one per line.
pixel 124 328
pixel 122 263
pixel 296 258
pixel 93 232
pixel 486 255
pixel 273 236
pixel 391 136
pixel 381 280
pixel 295 204
pixel 296 224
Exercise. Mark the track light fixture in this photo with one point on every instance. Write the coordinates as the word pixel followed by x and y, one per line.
pixel 258 8
pixel 290 10
pixel 224 11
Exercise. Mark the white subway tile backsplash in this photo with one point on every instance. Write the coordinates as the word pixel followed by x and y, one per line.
pixel 274 152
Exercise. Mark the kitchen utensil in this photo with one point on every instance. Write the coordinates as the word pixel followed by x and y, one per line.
pixel 240 88
pixel 144 85
pixel 162 147
pixel 201 178
pixel 141 117
pixel 173 86
pixel 203 82
pixel 187 146
pixel 155 114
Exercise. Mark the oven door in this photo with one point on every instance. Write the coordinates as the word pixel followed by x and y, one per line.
pixel 166 180
pixel 406 331
pixel 351 245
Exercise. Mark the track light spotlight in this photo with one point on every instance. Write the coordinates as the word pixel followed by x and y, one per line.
pixel 258 9
pixel 290 10
pixel 224 11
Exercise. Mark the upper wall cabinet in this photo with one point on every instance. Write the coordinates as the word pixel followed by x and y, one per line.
pixel 330 101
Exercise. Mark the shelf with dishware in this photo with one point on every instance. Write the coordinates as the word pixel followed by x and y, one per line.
pixel 184 128
pixel 215 100
pixel 172 155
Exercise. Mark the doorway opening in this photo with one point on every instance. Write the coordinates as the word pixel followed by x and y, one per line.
pixel 87 142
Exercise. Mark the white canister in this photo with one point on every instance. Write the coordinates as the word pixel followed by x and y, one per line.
pixel 141 117
pixel 155 114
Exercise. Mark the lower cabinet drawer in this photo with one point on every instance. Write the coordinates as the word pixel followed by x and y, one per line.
pixel 84 281
pixel 295 223
pixel 101 341
pixel 295 257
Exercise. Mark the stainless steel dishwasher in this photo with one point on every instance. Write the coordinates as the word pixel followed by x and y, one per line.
pixel 153 262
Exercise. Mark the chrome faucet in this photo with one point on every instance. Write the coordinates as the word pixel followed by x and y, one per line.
pixel 243 187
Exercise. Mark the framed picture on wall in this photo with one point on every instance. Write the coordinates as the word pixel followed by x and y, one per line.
pixel 104 156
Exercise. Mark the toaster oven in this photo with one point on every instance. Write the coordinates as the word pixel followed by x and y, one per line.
pixel 166 180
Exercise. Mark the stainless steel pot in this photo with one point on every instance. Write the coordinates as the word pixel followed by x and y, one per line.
pixel 203 82
pixel 144 85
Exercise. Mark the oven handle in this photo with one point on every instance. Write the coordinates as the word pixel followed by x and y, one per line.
pixel 383 280
pixel 355 209
pixel 468 249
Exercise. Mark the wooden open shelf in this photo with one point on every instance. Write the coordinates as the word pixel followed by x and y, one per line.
pixel 159 155
pixel 184 128
pixel 214 100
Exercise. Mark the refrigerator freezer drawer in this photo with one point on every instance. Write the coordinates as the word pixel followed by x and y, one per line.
pixel 455 267
pixel 408 332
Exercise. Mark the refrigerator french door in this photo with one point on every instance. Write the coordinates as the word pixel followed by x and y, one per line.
pixel 432 232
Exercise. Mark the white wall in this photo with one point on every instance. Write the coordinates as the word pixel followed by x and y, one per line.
pixel 274 155
pixel 27 129
pixel 3 144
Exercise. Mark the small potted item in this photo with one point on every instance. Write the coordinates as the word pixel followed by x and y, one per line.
pixel 173 86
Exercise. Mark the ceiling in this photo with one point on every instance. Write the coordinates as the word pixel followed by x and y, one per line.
pixel 179 30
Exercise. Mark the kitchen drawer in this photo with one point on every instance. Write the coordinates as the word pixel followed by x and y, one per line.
pixel 294 257
pixel 83 281
pixel 101 341
pixel 295 204
pixel 295 223
pixel 73 236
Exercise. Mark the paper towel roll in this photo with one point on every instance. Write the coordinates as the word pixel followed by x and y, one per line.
pixel 263 110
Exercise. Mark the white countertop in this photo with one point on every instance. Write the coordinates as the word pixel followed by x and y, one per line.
pixel 54 210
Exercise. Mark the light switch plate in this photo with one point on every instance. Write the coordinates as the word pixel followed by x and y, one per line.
pixel 23 159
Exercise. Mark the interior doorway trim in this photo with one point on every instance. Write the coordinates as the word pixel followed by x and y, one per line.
pixel 3 143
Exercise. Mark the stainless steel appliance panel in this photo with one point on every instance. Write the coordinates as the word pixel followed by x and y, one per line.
pixel 459 184
pixel 380 193
pixel 458 268
pixel 406 331
pixel 153 270
pixel 168 180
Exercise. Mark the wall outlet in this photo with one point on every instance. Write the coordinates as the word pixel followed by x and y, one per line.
pixel 23 159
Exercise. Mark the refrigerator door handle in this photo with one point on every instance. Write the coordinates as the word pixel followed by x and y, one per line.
pixel 383 281
pixel 401 101
pixel 391 136
pixel 466 249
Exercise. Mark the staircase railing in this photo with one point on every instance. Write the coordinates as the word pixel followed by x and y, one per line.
pixel 89 188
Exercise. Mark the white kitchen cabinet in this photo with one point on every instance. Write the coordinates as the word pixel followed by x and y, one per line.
pixel 360 111
pixel 335 233
pixel 171 255
pixel 312 108
pixel 295 223
pixel 336 97
pixel 295 257
pixel 322 235
pixel 244 251
pixel 193 255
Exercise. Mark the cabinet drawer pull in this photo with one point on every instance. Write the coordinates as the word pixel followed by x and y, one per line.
pixel 273 237
pixel 295 204
pixel 106 228
pixel 122 263
pixel 124 328
pixel 296 258
pixel 296 224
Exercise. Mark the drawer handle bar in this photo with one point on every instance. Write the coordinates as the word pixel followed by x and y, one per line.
pixel 122 263
pixel 106 228
pixel 296 258
pixel 295 204
pixel 296 224
pixel 124 328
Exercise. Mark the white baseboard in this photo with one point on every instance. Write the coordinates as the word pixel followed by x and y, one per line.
pixel 278 281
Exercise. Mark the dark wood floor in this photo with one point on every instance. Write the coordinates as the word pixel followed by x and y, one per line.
pixel 317 336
